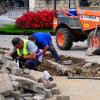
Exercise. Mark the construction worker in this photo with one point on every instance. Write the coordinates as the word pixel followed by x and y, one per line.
pixel 26 52
pixel 44 42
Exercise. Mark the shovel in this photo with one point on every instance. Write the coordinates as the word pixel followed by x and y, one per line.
pixel 91 48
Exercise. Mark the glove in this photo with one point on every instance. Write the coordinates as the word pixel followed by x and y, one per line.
pixel 19 58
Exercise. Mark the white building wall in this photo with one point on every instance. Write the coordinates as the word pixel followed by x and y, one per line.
pixel 31 5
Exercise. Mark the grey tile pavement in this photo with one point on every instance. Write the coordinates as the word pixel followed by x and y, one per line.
pixel 4 19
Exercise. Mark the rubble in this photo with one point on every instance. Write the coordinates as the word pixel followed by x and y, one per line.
pixel 16 84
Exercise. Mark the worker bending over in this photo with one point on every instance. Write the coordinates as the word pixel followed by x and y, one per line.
pixel 26 52
pixel 44 42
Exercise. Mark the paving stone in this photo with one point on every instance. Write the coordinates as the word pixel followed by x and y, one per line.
pixel 4 70
pixel 8 57
pixel 9 98
pixel 52 84
pixel 28 98
pixel 67 62
pixel 10 64
pixel 2 97
pixel 39 97
pixel 87 65
pixel 48 93
pixel 5 85
pixel 26 71
pixel 33 88
pixel 17 71
pixel 62 97
pixel 37 76
pixel 55 91
pixel 16 95
pixel 26 95
pixel 15 84
pixel 24 80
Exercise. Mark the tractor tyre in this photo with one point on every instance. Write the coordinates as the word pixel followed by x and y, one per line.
pixel 64 39
pixel 96 43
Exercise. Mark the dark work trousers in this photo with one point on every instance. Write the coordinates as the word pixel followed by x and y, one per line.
pixel 30 64
pixel 54 52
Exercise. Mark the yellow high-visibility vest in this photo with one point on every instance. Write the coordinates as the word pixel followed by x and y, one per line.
pixel 25 53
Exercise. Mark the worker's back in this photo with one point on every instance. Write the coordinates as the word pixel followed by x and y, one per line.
pixel 42 39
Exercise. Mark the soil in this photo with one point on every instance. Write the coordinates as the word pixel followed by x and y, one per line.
pixel 76 68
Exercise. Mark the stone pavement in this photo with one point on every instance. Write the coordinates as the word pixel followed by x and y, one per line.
pixel 4 19
pixel 79 89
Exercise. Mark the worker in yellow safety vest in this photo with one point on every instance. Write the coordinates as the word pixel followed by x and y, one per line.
pixel 26 52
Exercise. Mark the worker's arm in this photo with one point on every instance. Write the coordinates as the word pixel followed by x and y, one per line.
pixel 31 56
pixel 32 51
pixel 10 53
pixel 45 49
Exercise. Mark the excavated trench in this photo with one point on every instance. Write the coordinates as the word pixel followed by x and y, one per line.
pixel 76 67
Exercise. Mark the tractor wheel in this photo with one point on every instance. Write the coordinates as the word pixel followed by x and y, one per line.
pixel 95 43
pixel 64 39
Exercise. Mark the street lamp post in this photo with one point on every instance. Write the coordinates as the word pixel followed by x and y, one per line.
pixel 27 6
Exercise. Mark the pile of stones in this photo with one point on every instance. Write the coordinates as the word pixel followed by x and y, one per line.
pixel 16 84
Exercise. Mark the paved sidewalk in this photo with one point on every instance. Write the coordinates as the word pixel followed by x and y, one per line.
pixel 4 19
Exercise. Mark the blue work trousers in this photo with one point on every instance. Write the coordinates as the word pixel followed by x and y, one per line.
pixel 30 63
pixel 54 52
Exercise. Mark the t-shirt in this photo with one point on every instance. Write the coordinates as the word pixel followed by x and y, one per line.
pixel 30 47
pixel 42 39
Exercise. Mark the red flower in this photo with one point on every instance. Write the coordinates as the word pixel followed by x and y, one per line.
pixel 40 20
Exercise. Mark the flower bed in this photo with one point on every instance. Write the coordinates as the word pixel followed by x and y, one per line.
pixel 39 20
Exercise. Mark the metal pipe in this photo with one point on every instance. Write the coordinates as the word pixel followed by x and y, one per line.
pixel 54 4
pixel 54 7
pixel 27 6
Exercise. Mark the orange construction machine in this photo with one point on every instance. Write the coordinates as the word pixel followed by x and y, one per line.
pixel 80 22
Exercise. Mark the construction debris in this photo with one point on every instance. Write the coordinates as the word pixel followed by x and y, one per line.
pixel 16 84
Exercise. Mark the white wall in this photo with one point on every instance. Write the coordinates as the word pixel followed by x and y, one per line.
pixel 31 5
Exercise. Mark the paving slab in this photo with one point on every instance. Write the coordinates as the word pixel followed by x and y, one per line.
pixel 79 89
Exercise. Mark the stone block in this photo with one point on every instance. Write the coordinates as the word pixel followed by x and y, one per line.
pixel 37 76
pixel 55 91
pixel 52 84
pixel 8 57
pixel 62 97
pixel 28 98
pixel 4 70
pixel 15 84
pixel 67 62
pixel 9 98
pixel 39 97
pixel 24 80
pixel 2 97
pixel 26 95
pixel 48 93
pixel 2 52
pixel 33 88
pixel 5 85
pixel 16 95
pixel 17 71
pixel 10 64
pixel 88 65
pixel 26 71
pixel 2 60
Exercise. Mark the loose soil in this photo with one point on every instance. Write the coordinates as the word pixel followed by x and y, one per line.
pixel 76 68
